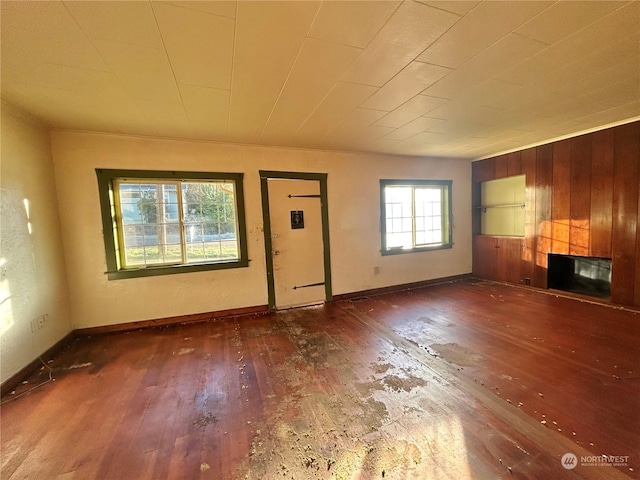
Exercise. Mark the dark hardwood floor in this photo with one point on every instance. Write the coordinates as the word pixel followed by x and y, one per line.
pixel 466 380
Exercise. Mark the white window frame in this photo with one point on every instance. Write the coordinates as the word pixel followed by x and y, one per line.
pixel 387 217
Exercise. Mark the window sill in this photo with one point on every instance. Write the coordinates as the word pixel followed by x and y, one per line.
pixel 174 269
pixel 416 249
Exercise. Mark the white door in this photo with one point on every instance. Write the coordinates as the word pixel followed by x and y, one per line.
pixel 297 247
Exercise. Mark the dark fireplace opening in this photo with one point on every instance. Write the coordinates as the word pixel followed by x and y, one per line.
pixel 585 275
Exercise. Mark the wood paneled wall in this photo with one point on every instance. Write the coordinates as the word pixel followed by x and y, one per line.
pixel 582 198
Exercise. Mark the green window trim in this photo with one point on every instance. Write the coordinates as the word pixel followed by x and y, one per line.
pixel 108 178
pixel 446 216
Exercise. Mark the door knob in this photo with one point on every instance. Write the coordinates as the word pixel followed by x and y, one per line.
pixel 275 252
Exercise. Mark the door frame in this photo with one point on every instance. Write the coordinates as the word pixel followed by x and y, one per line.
pixel 266 175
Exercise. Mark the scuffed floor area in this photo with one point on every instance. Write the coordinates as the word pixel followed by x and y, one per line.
pixel 467 380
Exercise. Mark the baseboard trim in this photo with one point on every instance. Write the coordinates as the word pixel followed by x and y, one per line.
pixel 179 320
pixel 17 378
pixel 400 288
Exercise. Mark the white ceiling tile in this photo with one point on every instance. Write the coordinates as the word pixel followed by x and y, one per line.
pixel 421 143
pixel 478 30
pixel 413 79
pixel 411 29
pixel 611 115
pixel 144 72
pixel 207 109
pixel 339 102
pixel 352 23
pixel 460 7
pixel 357 124
pixel 500 94
pixel 418 125
pixel 126 22
pixel 621 23
pixel 565 18
pixel 214 7
pixel 410 110
pixel 362 138
pixel 71 79
pixel 590 80
pixel 317 69
pixel 510 50
pixel 612 94
pixel 360 118
pixel 263 59
pixel 47 34
pixel 108 111
pixel 164 116
pixel 203 56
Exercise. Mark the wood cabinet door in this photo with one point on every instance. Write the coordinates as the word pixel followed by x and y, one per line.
pixel 484 257
pixel 497 258
pixel 508 259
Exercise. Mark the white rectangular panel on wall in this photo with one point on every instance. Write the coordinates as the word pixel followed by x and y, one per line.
pixel 502 204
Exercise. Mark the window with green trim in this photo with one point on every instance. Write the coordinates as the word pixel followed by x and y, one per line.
pixel 158 222
pixel 415 215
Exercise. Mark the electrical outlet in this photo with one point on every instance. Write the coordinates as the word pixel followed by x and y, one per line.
pixel 376 270
pixel 39 322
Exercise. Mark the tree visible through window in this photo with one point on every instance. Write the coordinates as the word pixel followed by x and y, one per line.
pixel 168 222
pixel 415 215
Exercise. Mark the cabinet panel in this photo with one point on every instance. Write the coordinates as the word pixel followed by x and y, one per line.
pixel 484 257
pixel 498 258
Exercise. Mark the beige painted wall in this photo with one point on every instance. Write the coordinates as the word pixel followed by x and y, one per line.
pixel 33 282
pixel 354 210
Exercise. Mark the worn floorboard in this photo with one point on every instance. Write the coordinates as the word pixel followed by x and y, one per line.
pixel 466 380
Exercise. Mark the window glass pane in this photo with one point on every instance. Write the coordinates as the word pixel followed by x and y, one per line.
pixel 395 240
pixel 152 255
pixel 209 211
pixel 396 210
pixel 148 203
pixel 171 233
pixel 129 193
pixel 134 255
pixel 149 213
pixel 396 194
pixel 131 214
pixel 195 252
pixel 133 235
pixel 172 253
pixel 193 232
